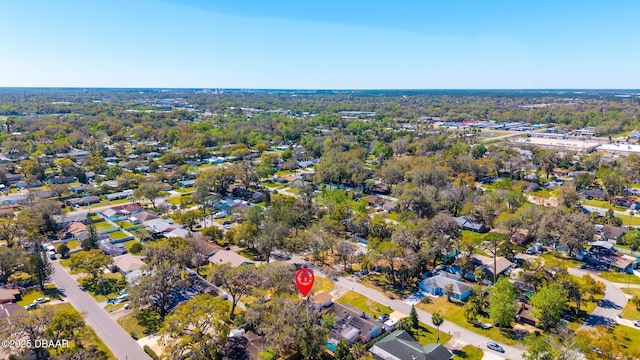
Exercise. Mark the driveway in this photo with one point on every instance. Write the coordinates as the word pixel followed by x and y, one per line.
pixel 606 313
pixel 117 340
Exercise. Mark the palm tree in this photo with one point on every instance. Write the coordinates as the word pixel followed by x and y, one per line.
pixel 449 290
pixel 437 320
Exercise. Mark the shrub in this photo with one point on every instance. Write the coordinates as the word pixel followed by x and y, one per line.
pixel 136 248
pixel 150 352
pixel 63 250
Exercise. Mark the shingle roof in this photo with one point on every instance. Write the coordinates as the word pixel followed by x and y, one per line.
pixel 441 281
pixel 399 345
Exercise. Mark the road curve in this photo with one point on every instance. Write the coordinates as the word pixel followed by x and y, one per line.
pixel 117 340
pixel 614 300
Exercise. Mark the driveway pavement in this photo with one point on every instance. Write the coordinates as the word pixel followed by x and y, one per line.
pixel 117 340
pixel 614 300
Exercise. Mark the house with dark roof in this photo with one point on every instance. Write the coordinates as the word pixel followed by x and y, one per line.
pixel 111 249
pixel 486 263
pixel 84 201
pixel 470 224
pixel 62 180
pixel 603 253
pixel 525 314
pixel 612 233
pixel 354 325
pixel 437 285
pixel 592 194
pixel 400 345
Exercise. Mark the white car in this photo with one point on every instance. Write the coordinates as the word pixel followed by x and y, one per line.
pixel 486 325
pixel 42 300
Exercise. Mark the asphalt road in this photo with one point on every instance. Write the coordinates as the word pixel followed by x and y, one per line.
pixel 614 300
pixel 117 340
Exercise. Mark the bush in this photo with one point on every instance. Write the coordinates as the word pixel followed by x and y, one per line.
pixel 63 250
pixel 150 352
pixel 136 248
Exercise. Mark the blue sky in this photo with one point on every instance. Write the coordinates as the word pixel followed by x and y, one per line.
pixel 326 44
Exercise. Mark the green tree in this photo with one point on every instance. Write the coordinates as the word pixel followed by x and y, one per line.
pixel 197 328
pixel 11 260
pixel 437 320
pixel 635 300
pixel 503 305
pixel 415 323
pixel 136 248
pixel 549 301
pixel 39 266
pixel 151 191
pixel 342 351
pixel 63 250
pixel 93 262
pixel 236 281
pixel 66 324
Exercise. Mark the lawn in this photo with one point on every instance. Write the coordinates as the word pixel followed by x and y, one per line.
pixel 180 200
pixel 455 313
pixel 51 291
pixel 103 226
pixel 630 312
pixel 130 324
pixel 426 334
pixel 88 335
pixel 619 277
pixel 322 284
pixel 630 291
pixel 468 353
pixel 127 225
pixel 129 244
pixel 247 253
pixel 629 220
pixel 117 235
pixel 361 302
pixel 602 204
pixel 569 262
pixel 185 190
pixel 113 307
pixel 73 244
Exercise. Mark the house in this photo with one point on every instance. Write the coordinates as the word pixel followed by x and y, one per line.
pixel 322 300
pixel 62 180
pixel 530 187
pixel 612 233
pixel 374 200
pixel 521 237
pixel 400 345
pixel 84 201
pixel 80 189
pixel 186 183
pixel 8 295
pixel 486 262
pixel 122 212
pixel 119 195
pixel 19 199
pixel 80 217
pixel 158 226
pixel 437 285
pixel 467 223
pixel 142 217
pixel 176 232
pixel 128 263
pixel 593 194
pixel 14 178
pixel 42 194
pixel 525 314
pixel 389 206
pixel 229 257
pixel 602 253
pixel 74 230
pixel 354 325
pixel 111 249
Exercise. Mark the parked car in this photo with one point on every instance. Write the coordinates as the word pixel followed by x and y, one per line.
pixel 495 347
pixel 81 287
pixel 31 306
pixel 382 318
pixel 636 323
pixel 42 300
pixel 486 326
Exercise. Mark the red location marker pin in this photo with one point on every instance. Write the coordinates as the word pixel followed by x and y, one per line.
pixel 304 280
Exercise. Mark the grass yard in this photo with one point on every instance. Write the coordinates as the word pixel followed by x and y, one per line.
pixel 128 244
pixel 113 307
pixel 130 324
pixel 619 277
pixel 569 262
pixel 426 334
pixel 51 291
pixel 468 353
pixel 186 190
pixel 72 245
pixel 361 302
pixel 117 235
pixel 103 226
pixel 629 220
pixel 630 312
pixel 127 225
pixel 630 291
pixel 98 297
pixel 247 253
pixel 454 312
pixel 322 284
